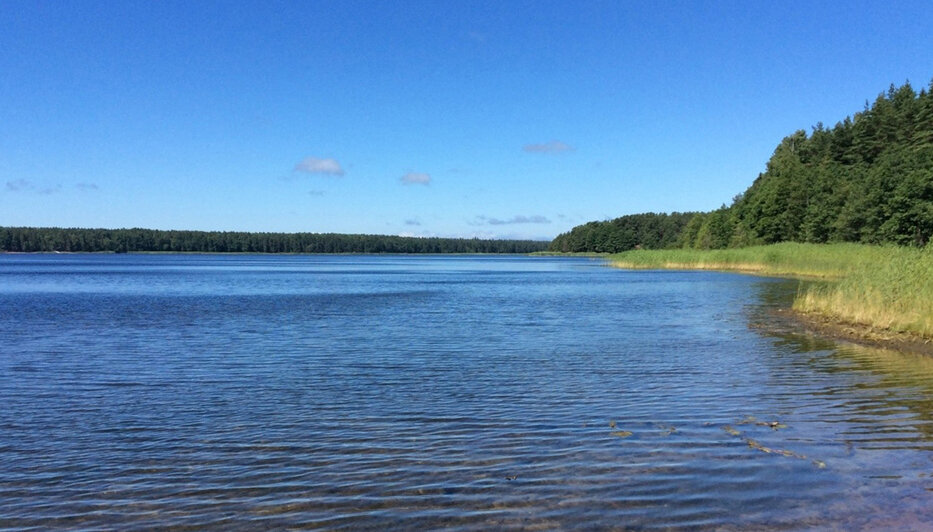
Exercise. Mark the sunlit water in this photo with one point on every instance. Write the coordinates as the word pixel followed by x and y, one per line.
pixel 250 392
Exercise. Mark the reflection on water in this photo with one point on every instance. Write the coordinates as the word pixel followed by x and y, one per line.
pixel 878 384
pixel 426 392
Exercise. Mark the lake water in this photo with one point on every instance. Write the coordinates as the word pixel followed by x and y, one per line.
pixel 472 393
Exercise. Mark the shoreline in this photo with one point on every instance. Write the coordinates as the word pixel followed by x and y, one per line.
pixel 864 335
pixel 817 324
pixel 755 270
pixel 845 281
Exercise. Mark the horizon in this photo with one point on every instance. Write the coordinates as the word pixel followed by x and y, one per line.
pixel 55 228
pixel 470 120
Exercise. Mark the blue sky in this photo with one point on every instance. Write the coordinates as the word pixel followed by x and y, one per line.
pixel 489 119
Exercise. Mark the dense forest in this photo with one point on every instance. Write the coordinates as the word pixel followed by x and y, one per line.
pixel 867 179
pixel 30 239
pixel 650 231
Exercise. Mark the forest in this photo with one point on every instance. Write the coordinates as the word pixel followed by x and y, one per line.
pixel 648 231
pixel 868 179
pixel 32 239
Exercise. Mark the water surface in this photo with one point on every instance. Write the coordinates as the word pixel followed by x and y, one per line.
pixel 358 392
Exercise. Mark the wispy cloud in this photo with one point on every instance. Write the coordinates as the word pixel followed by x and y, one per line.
pixel 20 185
pixel 554 146
pixel 418 234
pixel 87 187
pixel 314 165
pixel 484 234
pixel 24 185
pixel 518 219
pixel 476 36
pixel 415 178
pixel 412 221
pixel 315 192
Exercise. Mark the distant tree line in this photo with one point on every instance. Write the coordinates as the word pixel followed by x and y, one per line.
pixel 33 239
pixel 867 179
pixel 650 231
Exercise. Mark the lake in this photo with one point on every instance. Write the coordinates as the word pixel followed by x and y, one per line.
pixel 424 392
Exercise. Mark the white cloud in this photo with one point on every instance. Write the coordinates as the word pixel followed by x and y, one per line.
pixel 415 178
pixel 412 221
pixel 518 219
pixel 554 146
pixel 313 165
pixel 87 187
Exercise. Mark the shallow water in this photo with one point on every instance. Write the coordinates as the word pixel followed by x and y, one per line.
pixel 421 392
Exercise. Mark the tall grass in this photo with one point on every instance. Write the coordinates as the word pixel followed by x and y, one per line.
pixel 883 287
pixel 893 294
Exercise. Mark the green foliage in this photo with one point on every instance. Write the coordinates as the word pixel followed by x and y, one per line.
pixel 649 231
pixel 715 231
pixel 868 179
pixel 32 239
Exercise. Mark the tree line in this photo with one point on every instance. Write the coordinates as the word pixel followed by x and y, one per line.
pixel 42 239
pixel 649 230
pixel 868 179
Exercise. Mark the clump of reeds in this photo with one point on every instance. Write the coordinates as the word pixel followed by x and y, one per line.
pixel 885 287
pixel 894 293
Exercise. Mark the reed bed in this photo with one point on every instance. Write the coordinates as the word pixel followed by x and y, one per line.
pixel 881 287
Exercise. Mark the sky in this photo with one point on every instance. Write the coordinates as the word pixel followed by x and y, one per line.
pixel 490 119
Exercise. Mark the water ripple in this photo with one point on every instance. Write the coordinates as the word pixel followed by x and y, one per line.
pixel 458 393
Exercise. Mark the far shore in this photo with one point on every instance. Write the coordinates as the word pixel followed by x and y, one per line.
pixel 265 253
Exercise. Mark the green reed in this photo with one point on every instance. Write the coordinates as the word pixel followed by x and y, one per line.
pixel 884 287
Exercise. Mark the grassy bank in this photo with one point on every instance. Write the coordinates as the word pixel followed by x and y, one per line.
pixel 885 288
